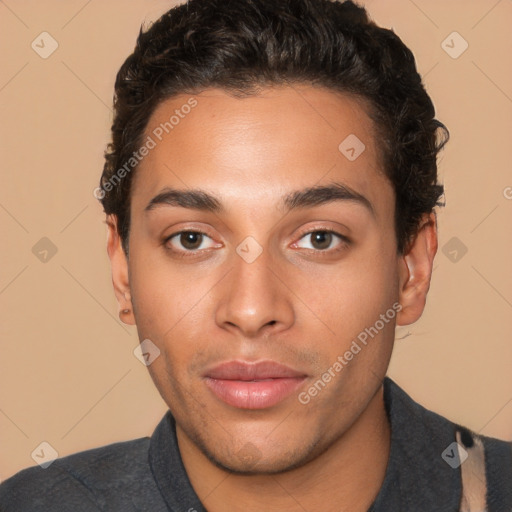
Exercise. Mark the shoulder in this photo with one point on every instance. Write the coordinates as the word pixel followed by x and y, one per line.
pixel 494 476
pixel 457 461
pixel 79 482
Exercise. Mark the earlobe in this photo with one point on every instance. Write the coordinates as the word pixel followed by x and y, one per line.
pixel 119 266
pixel 416 270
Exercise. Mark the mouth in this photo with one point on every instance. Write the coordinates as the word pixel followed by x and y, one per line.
pixel 253 385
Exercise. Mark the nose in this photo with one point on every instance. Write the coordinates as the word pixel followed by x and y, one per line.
pixel 254 299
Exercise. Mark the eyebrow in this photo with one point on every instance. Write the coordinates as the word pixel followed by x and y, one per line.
pixel 197 199
pixel 323 194
pixel 192 199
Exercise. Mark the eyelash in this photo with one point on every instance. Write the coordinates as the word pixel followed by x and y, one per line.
pixel 344 242
pixel 183 253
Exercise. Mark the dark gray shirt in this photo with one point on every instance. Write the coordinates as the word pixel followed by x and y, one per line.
pixel 148 473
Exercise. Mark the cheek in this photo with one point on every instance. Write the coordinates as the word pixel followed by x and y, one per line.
pixel 172 308
pixel 165 309
pixel 352 296
pixel 161 294
pixel 351 306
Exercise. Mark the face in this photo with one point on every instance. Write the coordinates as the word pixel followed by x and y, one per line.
pixel 260 252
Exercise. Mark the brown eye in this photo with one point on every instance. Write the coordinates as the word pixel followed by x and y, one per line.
pixel 321 240
pixel 191 240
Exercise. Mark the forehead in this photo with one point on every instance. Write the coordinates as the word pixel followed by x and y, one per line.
pixel 243 149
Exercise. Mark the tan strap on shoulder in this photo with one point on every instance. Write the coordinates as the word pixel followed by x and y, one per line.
pixel 474 482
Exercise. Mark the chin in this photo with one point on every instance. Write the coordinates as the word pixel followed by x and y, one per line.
pixel 250 460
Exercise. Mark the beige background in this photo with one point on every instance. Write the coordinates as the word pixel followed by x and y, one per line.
pixel 68 373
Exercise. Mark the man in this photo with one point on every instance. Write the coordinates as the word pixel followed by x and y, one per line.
pixel 270 192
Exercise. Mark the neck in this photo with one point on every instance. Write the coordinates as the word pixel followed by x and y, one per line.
pixel 346 477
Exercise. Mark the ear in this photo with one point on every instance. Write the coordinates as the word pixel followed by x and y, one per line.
pixel 119 265
pixel 415 271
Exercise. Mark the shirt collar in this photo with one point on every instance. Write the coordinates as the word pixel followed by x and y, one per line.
pixel 168 470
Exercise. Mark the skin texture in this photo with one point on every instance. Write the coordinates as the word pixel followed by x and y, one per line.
pixel 298 303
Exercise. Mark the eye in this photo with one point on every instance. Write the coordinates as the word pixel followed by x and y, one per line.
pixel 189 241
pixel 322 240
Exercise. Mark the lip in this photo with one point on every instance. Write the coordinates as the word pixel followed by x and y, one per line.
pixel 257 385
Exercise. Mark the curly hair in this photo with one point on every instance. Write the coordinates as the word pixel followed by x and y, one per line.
pixel 242 46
